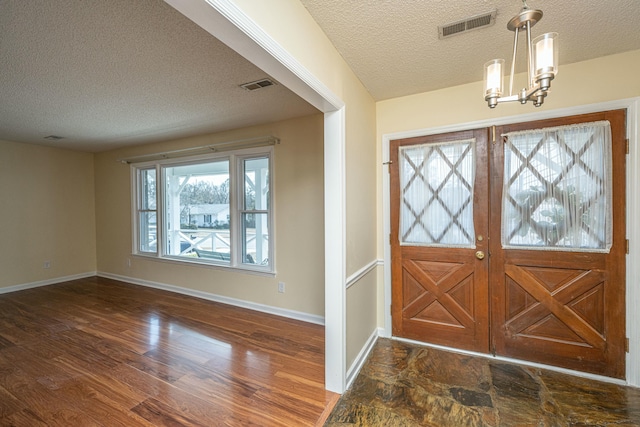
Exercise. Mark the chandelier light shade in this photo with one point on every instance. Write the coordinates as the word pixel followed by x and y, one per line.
pixel 493 80
pixel 542 63
pixel 546 55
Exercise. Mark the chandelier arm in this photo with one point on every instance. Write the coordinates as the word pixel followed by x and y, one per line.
pixel 524 95
pixel 513 61
pixel 528 94
pixel 530 70
pixel 507 98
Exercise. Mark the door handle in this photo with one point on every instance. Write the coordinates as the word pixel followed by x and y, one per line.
pixel 480 255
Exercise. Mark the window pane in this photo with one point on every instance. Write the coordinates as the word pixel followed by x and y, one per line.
pixel 256 184
pixel 194 219
pixel 197 211
pixel 436 201
pixel 255 238
pixel 557 188
pixel 148 232
pixel 148 189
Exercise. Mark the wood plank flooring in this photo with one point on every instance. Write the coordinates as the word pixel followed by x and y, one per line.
pixel 98 352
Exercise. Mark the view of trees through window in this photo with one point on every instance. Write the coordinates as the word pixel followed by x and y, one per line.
pixel 198 192
pixel 204 192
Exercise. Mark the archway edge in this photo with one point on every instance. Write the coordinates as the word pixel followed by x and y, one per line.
pixel 224 20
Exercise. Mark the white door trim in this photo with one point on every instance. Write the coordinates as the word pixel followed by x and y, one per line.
pixel 633 209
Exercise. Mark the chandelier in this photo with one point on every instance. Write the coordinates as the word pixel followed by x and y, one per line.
pixel 542 63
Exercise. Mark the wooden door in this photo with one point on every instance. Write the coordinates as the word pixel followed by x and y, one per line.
pixel 561 307
pixel 440 291
pixel 543 302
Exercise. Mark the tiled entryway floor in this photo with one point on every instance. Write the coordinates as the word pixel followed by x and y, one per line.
pixel 404 384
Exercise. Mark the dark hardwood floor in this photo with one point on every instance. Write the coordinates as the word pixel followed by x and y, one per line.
pixel 98 352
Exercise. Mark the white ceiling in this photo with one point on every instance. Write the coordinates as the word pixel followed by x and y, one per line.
pixel 393 45
pixel 108 73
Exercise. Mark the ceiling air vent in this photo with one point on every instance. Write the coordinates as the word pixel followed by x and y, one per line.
pixel 468 24
pixel 259 84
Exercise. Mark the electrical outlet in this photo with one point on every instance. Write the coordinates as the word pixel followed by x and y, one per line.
pixel 47 264
pixel 281 287
pixel 128 262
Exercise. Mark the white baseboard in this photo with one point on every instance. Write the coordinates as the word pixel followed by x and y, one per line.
pixel 47 282
pixel 355 367
pixel 283 312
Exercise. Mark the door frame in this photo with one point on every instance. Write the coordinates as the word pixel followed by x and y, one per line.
pixel 632 296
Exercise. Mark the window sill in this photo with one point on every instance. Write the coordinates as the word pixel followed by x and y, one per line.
pixel 206 264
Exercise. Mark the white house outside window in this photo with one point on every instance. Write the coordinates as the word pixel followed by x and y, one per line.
pixel 213 209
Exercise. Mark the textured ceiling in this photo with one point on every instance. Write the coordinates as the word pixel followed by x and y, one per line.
pixel 108 73
pixel 104 74
pixel 393 45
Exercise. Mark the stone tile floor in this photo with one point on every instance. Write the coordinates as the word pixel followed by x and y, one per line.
pixel 405 384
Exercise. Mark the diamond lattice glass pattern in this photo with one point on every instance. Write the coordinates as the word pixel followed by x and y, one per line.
pixel 436 182
pixel 557 188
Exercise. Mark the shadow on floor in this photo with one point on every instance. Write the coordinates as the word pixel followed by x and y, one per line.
pixel 405 384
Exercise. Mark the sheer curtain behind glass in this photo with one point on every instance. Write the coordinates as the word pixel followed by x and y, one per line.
pixel 557 188
pixel 436 185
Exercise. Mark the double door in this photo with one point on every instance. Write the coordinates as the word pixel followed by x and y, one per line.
pixel 511 240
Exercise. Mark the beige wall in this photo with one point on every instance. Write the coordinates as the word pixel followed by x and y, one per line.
pixel 596 81
pixel 53 190
pixel 299 231
pixel 290 25
pixel 361 301
pixel 47 213
pixel 599 80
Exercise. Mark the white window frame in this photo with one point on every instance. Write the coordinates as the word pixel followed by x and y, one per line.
pixel 138 207
pixel 236 200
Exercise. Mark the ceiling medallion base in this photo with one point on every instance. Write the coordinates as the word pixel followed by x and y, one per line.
pixel 519 21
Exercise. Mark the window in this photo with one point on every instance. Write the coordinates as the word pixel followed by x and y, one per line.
pixel 147 213
pixel 436 182
pixel 254 210
pixel 557 188
pixel 213 209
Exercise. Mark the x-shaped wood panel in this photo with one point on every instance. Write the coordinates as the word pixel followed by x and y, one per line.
pixel 438 290
pixel 555 303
